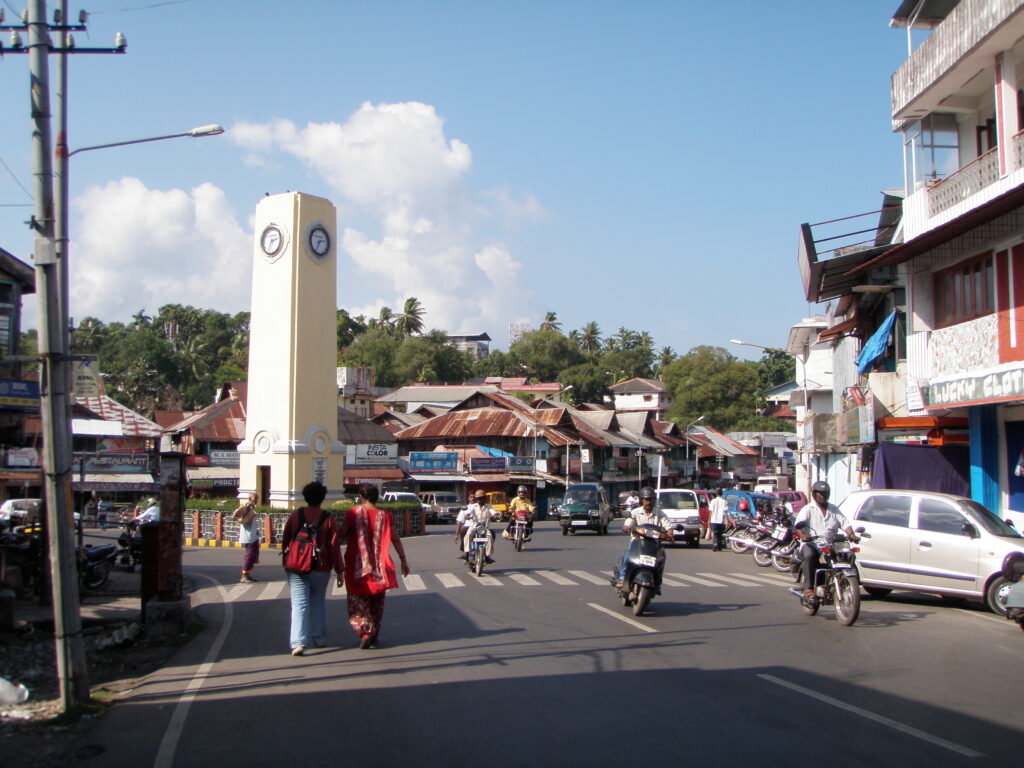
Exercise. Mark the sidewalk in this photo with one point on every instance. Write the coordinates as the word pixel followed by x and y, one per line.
pixel 117 601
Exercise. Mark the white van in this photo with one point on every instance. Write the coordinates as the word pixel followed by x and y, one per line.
pixel 772 483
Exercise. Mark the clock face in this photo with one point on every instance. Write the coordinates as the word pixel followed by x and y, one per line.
pixel 271 241
pixel 319 241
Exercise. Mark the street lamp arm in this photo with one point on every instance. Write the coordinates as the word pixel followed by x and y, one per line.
pixel 759 346
pixel 205 130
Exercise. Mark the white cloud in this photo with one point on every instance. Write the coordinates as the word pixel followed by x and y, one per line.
pixel 138 248
pixel 393 162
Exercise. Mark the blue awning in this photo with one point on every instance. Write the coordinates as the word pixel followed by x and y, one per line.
pixel 874 348
pixel 495 452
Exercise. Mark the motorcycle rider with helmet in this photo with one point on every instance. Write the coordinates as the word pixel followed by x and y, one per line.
pixel 1013 571
pixel 647 513
pixel 817 524
pixel 521 503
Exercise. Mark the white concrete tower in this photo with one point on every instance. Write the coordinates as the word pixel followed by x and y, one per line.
pixel 291 431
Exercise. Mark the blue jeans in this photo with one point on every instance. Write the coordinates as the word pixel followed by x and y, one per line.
pixel 309 593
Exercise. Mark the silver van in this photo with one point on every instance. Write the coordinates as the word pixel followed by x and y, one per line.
pixel 921 541
pixel 444 505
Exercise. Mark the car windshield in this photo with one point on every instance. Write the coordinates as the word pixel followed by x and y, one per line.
pixel 447 498
pixel 581 496
pixel 670 500
pixel 988 520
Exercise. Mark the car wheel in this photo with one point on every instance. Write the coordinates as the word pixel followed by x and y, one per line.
pixel 996 594
pixel 694 543
pixel 878 592
pixel 564 530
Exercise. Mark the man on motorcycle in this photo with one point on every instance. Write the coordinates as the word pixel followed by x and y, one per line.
pixel 817 525
pixel 646 514
pixel 478 512
pixel 520 504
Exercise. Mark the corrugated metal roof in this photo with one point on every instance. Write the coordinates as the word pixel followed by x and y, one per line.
pixel 221 422
pixel 482 422
pixel 353 428
pixel 637 385
pixel 440 393
pixel 135 425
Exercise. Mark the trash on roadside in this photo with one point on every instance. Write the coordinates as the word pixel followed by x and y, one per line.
pixel 12 694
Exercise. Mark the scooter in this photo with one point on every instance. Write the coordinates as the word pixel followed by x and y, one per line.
pixel 129 553
pixel 95 564
pixel 645 563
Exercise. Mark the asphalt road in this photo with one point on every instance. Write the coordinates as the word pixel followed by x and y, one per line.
pixel 537 664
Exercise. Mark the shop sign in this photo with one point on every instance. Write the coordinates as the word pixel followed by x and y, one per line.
pixel 856 425
pixel 19 395
pixel 86 378
pixel 520 463
pixel 113 463
pixel 488 464
pixel 22 457
pixel 372 454
pixel 224 458
pixel 434 461
pixel 197 461
pixel 1008 385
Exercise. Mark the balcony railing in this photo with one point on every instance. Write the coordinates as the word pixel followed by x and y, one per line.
pixel 958 186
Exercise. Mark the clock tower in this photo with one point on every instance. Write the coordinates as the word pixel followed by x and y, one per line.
pixel 291 429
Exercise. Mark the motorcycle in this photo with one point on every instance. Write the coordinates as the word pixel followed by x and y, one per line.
pixel 95 563
pixel 775 530
pixel 477 554
pixel 129 542
pixel 741 534
pixel 519 531
pixel 835 582
pixel 645 563
pixel 786 553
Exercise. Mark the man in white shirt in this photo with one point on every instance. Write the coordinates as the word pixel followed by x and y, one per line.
pixel 817 526
pixel 477 512
pixel 152 513
pixel 647 513
pixel 718 516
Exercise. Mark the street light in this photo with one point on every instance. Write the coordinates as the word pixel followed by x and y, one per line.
pixel 195 133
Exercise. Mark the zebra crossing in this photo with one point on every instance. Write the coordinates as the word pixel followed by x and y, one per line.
pixel 273 590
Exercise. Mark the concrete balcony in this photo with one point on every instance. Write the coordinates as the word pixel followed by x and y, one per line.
pixel 967 181
pixel 967 42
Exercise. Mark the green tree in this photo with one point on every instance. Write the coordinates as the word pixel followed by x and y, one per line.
pixel 665 357
pixel 550 323
pixel 710 382
pixel 348 328
pixel 589 383
pixel 542 354
pixel 410 322
pixel 590 339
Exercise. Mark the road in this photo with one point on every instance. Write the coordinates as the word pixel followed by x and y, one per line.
pixel 537 664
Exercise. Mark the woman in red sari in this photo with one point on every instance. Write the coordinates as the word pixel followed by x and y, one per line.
pixel 369 569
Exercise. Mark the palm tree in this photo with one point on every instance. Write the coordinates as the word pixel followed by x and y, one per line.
pixel 551 323
pixel 666 357
pixel 410 322
pixel 385 320
pixel 590 339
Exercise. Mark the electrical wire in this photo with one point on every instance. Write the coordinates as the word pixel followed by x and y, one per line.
pixel 16 180
pixel 138 7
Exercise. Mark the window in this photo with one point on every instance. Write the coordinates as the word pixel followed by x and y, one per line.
pixel 965 291
pixel 886 510
pixel 931 148
pixel 939 517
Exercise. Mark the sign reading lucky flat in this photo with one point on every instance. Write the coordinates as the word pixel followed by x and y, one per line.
pixel 992 387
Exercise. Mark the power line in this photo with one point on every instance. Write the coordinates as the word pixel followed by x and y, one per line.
pixel 138 7
pixel 16 180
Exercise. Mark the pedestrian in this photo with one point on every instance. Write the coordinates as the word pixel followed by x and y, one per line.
pixel 308 588
pixel 248 536
pixel 369 569
pixel 103 510
pixel 718 515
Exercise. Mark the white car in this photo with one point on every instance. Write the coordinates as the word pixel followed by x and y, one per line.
pixel 14 511
pixel 921 541
pixel 682 507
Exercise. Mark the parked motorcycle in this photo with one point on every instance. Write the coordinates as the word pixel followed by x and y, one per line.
pixel 477 554
pixel 95 563
pixel 775 530
pixel 741 533
pixel 645 563
pixel 835 582
pixel 129 542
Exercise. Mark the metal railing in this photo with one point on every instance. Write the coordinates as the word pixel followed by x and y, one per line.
pixel 960 185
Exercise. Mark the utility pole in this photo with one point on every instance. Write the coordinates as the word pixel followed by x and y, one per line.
pixel 54 374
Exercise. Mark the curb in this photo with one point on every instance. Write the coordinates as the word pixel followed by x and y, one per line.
pixel 225 543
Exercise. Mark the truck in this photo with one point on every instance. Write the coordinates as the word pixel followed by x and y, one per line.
pixel 772 483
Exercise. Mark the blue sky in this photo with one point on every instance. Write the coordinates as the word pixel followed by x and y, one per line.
pixel 641 164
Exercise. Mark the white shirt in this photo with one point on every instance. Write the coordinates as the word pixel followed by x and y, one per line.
pixel 476 513
pixel 639 517
pixel 719 510
pixel 822 526
pixel 248 534
pixel 151 515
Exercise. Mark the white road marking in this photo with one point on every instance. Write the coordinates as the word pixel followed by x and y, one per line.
pixel 169 742
pixel 449 580
pixel 695 580
pixel 590 577
pixel 729 579
pixel 557 578
pixel 776 582
pixel 335 589
pixel 522 578
pixel 413 583
pixel 272 590
pixel 881 719
pixel 622 618
pixel 489 581
pixel 237 591
pixel 672 582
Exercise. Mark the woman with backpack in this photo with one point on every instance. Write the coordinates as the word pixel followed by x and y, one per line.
pixel 312 549
pixel 369 569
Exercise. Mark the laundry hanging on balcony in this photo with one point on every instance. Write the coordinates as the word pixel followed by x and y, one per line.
pixel 874 348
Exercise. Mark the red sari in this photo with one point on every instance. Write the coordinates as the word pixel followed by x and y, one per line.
pixel 369 569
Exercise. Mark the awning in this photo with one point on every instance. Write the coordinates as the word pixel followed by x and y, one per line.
pixel 844 328
pixel 134 481
pixel 355 475
pixel 493 477
pixel 439 477
pixel 21 477
pixel 874 348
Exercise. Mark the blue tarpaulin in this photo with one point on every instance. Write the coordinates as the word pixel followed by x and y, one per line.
pixel 495 452
pixel 875 346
